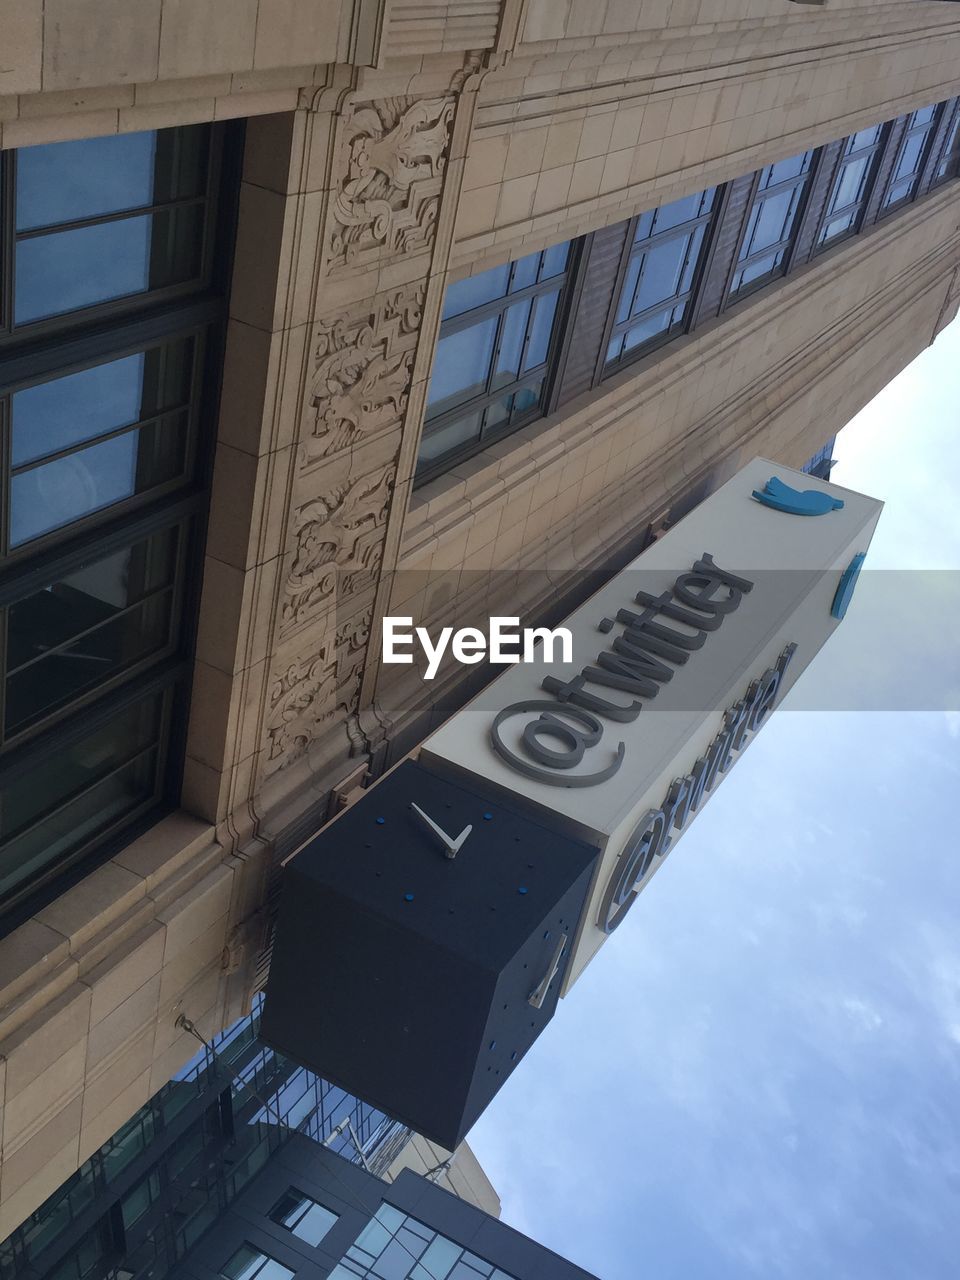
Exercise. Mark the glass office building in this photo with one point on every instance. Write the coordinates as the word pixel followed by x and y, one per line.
pixel 142 1201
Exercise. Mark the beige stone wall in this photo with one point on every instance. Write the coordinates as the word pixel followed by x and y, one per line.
pixel 382 158
pixel 459 1172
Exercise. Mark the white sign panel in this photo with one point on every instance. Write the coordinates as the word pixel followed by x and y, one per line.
pixel 676 663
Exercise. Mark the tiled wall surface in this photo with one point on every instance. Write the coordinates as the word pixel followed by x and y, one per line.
pixel 387 152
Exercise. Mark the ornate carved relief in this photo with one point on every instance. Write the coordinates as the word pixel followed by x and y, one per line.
pixel 315 691
pixel 364 364
pixel 339 545
pixel 392 155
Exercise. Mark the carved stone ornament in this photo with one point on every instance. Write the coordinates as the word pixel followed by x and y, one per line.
pixel 315 691
pixel 364 364
pixel 391 159
pixel 339 545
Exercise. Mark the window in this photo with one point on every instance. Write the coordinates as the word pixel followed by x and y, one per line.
pixel 393 1246
pixel 950 156
pixel 107 218
pixel 110 320
pixel 491 365
pixel 249 1263
pixel 661 269
pixel 307 1220
pixel 772 223
pixel 911 157
pixel 851 186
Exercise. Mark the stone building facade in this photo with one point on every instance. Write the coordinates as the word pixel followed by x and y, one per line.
pixel 372 153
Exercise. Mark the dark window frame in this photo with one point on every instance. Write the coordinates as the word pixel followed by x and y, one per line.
pixel 33 353
pixel 804 182
pixel 858 207
pixel 149 299
pixel 929 130
pixel 948 154
pixel 261 1254
pixel 688 299
pixel 548 371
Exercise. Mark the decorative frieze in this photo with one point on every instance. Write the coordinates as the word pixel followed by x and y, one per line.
pixel 390 164
pixel 363 369
pixel 315 692
pixel 338 545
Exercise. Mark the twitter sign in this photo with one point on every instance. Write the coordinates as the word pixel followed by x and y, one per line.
pixel 674 665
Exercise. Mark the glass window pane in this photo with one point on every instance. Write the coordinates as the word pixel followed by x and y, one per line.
pixel 525 272
pixel 792 167
pixel 497 413
pixel 464 295
pixel 625 307
pixel 671 215
pixel 315 1224
pixel 461 365
pixel 46 497
pixel 545 308
pixel 555 260
pixel 117 609
pixel 774 219
pixel 527 399
pixel 65 181
pixel 648 328
pixel 923 116
pixel 511 343
pixel 394 1263
pixel 662 267
pixel 249 1263
pixel 66 411
pixel 851 184
pixel 70 797
pixel 69 270
pixel 837 226
pixel 910 155
pixel 436 443
pixel 440 1257
pixel 863 138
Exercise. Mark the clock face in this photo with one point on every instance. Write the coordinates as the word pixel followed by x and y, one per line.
pixel 414 979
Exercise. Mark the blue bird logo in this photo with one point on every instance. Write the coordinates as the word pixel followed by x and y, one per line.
pixel 797 502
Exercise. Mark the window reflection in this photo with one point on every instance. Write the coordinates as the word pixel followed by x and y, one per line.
pixel 657 287
pixel 107 218
pixel 490 365
pixel 81 631
pixel 914 148
pixel 772 222
pixel 86 441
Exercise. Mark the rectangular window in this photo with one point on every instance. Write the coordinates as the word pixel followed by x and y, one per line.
pixel 772 222
pixel 665 254
pixel 396 1247
pixel 110 327
pixel 306 1219
pixel 249 1263
pixel 851 186
pixel 950 158
pixel 107 218
pixel 911 157
pixel 108 436
pixel 491 366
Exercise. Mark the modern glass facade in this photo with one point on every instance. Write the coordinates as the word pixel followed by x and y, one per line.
pixel 395 1246
pixel 141 1202
pixel 114 264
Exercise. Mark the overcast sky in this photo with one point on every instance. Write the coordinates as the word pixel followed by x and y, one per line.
pixel 759 1075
